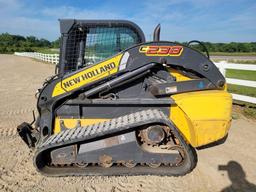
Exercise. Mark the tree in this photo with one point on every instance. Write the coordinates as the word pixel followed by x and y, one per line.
pixel 56 43
pixel 11 43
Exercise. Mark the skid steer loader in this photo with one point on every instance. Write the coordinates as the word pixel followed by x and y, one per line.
pixel 118 105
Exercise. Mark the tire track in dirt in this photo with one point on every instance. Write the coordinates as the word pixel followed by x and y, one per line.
pixel 8 132
pixel 17 112
pixel 13 122
pixel 12 118
pixel 9 127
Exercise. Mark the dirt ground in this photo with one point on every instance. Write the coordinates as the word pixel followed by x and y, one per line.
pixel 227 167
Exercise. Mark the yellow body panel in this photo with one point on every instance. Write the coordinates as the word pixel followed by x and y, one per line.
pixel 202 117
pixel 179 76
pixel 71 123
pixel 88 75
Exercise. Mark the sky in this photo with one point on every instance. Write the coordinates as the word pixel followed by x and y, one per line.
pixel 181 20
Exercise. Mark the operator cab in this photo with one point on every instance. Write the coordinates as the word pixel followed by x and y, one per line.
pixel 85 42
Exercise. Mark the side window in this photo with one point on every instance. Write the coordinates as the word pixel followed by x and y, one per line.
pixel 89 45
pixel 128 39
pixel 104 42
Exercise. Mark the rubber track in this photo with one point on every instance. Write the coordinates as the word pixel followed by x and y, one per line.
pixel 105 128
pixel 90 132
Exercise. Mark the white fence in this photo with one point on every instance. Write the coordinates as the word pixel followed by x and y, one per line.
pixel 50 58
pixel 223 65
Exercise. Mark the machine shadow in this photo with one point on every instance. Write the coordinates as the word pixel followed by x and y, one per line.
pixel 237 176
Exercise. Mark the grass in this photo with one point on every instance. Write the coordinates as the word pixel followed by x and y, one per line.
pixel 47 50
pixel 236 61
pixel 233 54
pixel 238 89
pixel 247 109
pixel 249 112
pixel 245 75
pixel 241 74
pixel 243 90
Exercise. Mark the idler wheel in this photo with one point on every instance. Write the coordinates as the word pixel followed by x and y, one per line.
pixel 153 135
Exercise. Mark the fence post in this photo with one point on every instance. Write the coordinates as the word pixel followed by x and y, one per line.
pixel 222 68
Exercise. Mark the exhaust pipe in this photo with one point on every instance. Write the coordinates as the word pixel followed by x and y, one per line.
pixel 157 33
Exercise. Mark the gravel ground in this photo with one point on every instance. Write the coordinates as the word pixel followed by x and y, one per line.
pixel 228 167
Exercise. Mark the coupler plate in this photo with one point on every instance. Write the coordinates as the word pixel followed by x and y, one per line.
pixel 27 133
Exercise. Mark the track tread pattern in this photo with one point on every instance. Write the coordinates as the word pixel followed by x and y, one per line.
pixel 107 127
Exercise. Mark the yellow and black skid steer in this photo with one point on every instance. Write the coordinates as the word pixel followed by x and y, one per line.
pixel 119 105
